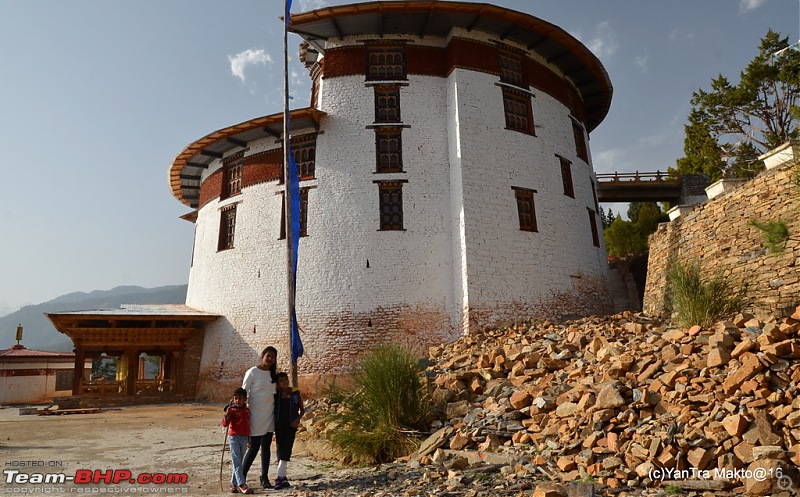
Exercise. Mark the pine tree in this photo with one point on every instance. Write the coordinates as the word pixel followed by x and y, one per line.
pixel 747 119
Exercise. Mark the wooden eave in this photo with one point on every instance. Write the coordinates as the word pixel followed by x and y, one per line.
pixel 438 18
pixel 185 171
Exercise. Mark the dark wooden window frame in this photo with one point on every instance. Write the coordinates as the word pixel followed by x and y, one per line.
pixel 304 148
pixel 386 62
pixel 512 70
pixel 227 227
pixel 518 110
pixel 390 205
pixel 387 104
pixel 388 150
pixel 580 142
pixel 593 224
pixel 526 208
pixel 566 176
pixel 232 179
pixel 303 213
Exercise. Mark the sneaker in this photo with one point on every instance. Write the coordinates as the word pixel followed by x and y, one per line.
pixel 245 489
pixel 234 489
pixel 281 482
pixel 265 482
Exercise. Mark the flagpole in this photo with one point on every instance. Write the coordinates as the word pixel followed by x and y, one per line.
pixel 290 281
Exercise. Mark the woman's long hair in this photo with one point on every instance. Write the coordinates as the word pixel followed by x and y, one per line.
pixel 273 371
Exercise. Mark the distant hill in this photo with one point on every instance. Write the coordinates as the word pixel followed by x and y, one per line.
pixel 39 333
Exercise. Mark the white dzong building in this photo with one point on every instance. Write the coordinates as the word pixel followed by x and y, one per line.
pixel 446 185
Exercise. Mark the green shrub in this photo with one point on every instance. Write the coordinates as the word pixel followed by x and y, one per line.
pixel 775 234
pixel 382 411
pixel 702 302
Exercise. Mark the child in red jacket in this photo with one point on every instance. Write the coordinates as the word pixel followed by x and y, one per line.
pixel 237 419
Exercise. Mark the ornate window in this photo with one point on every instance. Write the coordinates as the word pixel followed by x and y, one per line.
pixel 386 63
pixel 304 149
pixel 390 195
pixel 566 176
pixel 303 214
pixel 387 104
pixel 389 150
pixel 593 223
pixel 526 208
pixel 232 180
pixel 519 114
pixel 227 227
pixel 511 69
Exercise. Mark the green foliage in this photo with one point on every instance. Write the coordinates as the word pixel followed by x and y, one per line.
pixel 702 302
pixel 673 490
pixel 608 218
pixel 630 237
pixel 703 154
pixel 622 238
pixel 380 413
pixel 775 234
pixel 648 216
pixel 746 119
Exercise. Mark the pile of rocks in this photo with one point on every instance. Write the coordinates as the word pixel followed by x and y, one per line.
pixel 625 401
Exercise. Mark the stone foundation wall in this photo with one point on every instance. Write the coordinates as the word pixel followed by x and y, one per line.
pixel 716 234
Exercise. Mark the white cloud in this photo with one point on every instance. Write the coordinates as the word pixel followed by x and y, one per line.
pixel 678 34
pixel 748 5
pixel 641 61
pixel 249 57
pixel 604 43
pixel 306 5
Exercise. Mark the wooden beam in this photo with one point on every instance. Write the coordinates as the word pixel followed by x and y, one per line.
pixel 424 25
pixel 473 22
pixel 337 28
pixel 238 143
pixel 537 42
pixel 197 164
pixel 211 153
pixel 270 132
pixel 508 32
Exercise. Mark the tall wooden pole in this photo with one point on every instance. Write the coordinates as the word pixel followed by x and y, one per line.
pixel 287 197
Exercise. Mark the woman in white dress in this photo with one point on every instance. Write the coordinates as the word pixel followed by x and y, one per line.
pixel 259 381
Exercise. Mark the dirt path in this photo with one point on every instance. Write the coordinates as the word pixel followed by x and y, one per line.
pixel 184 438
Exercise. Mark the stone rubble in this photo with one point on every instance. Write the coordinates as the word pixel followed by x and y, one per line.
pixel 619 405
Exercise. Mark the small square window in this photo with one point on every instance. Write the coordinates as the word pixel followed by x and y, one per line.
pixel 386 63
pixel 526 209
pixel 64 380
pixel 227 227
pixel 518 110
pixel 391 205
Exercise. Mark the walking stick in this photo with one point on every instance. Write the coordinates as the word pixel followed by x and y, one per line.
pixel 222 459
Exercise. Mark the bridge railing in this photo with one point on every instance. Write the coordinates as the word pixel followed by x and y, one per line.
pixel 635 177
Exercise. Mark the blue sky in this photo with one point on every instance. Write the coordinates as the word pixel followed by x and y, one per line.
pixel 98 97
